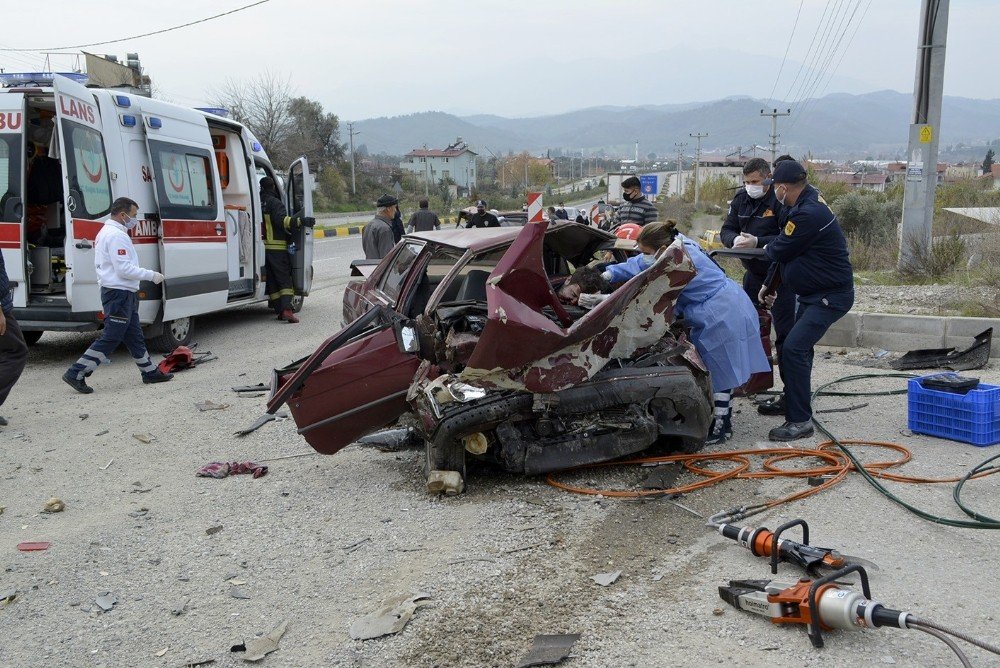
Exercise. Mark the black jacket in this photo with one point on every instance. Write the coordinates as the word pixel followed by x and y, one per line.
pixel 811 251
pixel 278 225
pixel 485 219
pixel 6 298
pixel 424 220
pixel 759 217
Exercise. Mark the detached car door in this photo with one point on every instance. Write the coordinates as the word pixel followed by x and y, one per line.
pixel 356 382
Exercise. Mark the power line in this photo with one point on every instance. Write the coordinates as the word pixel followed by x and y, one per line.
pixel 787 46
pixel 827 52
pixel 816 57
pixel 827 72
pixel 802 64
pixel 147 34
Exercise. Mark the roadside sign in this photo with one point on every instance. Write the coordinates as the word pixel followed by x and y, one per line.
pixel 648 184
pixel 535 207
pixel 926 134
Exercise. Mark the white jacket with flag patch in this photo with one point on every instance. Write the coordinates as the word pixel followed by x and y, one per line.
pixel 116 260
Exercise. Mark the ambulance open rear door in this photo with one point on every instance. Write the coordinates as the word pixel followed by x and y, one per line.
pixel 12 180
pixel 298 202
pixel 87 193
pixel 194 256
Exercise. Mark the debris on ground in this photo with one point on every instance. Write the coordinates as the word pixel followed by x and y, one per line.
pixel 976 356
pixel 845 409
pixel 179 610
pixel 198 662
pixel 211 531
pixel 106 601
pixel 108 465
pixel 390 618
pixel 259 387
pixel 260 422
pixel 209 405
pixel 53 505
pixel 355 545
pixel 144 437
pixel 662 477
pixel 33 546
pixel 7 597
pixel 239 592
pixel 391 440
pixel 226 469
pixel 257 648
pixel 84 416
pixel 184 357
pixel 606 579
pixel 103 433
pixel 162 651
pixel 548 650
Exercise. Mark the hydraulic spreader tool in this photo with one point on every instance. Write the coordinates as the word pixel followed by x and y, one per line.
pixel 763 543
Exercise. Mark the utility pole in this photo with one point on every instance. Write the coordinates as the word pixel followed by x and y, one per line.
pixel 350 129
pixel 697 166
pixel 680 156
pixel 921 167
pixel 774 113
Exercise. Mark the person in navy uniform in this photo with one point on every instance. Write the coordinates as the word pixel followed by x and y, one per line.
pixel 13 348
pixel 753 222
pixel 811 254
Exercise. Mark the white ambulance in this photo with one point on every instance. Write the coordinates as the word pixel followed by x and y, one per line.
pixel 67 151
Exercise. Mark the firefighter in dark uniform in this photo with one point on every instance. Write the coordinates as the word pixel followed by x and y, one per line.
pixel 753 222
pixel 811 254
pixel 280 230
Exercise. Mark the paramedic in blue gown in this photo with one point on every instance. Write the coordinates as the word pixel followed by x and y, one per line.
pixel 722 319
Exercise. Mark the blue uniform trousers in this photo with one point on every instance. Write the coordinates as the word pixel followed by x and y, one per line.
pixel 782 313
pixel 121 325
pixel 812 319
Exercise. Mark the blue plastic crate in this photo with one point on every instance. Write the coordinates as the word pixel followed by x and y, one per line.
pixel 971 418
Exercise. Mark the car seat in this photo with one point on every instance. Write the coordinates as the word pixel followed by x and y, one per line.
pixel 474 286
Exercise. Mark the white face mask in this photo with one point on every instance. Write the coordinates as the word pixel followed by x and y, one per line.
pixel 755 191
pixel 781 200
pixel 130 223
pixel 648 259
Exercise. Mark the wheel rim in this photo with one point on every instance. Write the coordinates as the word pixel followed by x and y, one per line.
pixel 180 328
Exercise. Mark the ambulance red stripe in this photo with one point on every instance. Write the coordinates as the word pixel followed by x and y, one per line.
pixel 10 235
pixel 194 231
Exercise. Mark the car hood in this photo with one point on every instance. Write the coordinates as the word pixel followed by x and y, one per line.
pixel 523 348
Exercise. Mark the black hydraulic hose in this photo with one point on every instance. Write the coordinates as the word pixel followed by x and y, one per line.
pixel 957 492
pixel 961 635
pixel 949 642
pixel 978 521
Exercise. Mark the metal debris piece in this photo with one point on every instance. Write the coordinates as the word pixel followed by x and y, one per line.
pixel 102 433
pixel 239 592
pixel 975 356
pixel 179 610
pixel 8 596
pixel 198 662
pixel 144 437
pixel 84 416
pixel 162 651
pixel 106 466
pixel 390 618
pixel 210 405
pixel 106 601
pixel 260 422
pixel 844 409
pixel 391 440
pixel 236 581
pixel 211 531
pixel 257 648
pixel 33 546
pixel 606 579
pixel 54 505
pixel 548 650
pixel 355 545
pixel 259 387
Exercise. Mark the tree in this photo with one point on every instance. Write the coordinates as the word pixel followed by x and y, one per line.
pixel 262 105
pixel 988 161
pixel 313 133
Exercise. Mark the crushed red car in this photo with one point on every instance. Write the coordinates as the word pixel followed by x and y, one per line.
pixel 461 332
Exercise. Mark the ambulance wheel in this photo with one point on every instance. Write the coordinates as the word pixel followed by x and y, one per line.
pixel 31 338
pixel 297 303
pixel 175 333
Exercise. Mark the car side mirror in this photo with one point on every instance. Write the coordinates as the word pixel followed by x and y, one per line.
pixel 406 337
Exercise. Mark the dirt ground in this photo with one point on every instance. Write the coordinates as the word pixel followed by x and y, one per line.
pixel 321 541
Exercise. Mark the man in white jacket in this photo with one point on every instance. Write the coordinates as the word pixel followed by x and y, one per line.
pixel 118 273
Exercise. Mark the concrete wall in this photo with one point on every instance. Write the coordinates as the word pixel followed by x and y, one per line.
pixel 907 332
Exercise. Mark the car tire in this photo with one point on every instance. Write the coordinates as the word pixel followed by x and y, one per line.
pixel 31 338
pixel 175 333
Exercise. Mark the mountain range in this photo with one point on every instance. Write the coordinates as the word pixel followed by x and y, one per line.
pixel 835 125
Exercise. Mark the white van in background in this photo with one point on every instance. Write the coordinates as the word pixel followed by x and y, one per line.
pixel 67 151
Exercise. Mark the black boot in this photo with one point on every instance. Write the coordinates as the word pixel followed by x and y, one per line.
pixel 156 376
pixel 721 431
pixel 78 384
pixel 791 431
pixel 773 406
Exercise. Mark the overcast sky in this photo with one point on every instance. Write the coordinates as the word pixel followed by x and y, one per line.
pixel 372 58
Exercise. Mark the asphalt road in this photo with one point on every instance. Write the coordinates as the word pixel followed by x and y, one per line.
pixel 198 565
